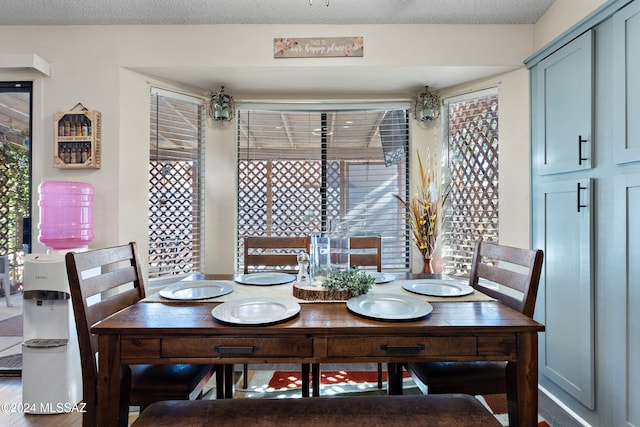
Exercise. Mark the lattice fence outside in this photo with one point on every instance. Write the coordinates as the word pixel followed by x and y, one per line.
pixel 472 206
pixel 282 198
pixel 174 230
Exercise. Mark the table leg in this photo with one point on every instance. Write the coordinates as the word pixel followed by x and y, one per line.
pixel 394 378
pixel 220 381
pixel 228 381
pixel 315 374
pixel 108 380
pixel 305 379
pixel 522 383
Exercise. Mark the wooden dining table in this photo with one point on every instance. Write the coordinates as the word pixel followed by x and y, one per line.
pixel 166 331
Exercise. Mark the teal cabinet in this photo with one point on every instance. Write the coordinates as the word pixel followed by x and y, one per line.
pixel 626 33
pixel 626 290
pixel 589 296
pixel 562 214
pixel 562 111
pixel 563 228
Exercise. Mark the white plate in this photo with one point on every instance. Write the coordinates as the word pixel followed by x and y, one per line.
pixel 389 307
pixel 265 279
pixel 381 277
pixel 196 289
pixel 256 311
pixel 437 288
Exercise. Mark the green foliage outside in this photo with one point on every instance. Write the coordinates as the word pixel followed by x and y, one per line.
pixel 14 203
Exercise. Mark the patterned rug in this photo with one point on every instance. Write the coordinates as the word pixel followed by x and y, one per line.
pixel 286 380
pixel 286 384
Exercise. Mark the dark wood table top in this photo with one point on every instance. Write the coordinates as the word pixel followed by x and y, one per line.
pixel 318 318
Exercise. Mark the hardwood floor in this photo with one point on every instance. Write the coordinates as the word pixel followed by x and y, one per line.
pixel 11 400
pixel 11 415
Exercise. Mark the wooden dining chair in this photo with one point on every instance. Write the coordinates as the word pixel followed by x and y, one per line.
pixel 510 275
pixel 279 254
pixel 103 282
pixel 364 251
pixel 273 253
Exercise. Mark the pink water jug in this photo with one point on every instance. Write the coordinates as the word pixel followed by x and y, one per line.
pixel 66 214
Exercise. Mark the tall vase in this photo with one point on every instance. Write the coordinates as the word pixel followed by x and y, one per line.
pixel 427 267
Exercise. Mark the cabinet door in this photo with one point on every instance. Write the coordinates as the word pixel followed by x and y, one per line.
pixel 626 289
pixel 562 109
pixel 562 227
pixel 626 89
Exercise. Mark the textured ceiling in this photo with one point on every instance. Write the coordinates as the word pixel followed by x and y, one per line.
pixel 111 12
pixel 290 81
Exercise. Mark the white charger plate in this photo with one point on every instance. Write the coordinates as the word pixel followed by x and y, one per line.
pixel 389 307
pixel 256 311
pixel 437 288
pixel 196 289
pixel 381 277
pixel 265 279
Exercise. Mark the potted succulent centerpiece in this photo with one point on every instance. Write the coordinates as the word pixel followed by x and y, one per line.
pixel 348 283
pixel 338 285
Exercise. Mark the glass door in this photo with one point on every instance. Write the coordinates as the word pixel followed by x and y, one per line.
pixel 15 215
pixel 15 174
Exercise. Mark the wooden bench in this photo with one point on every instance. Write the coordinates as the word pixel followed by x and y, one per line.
pixel 443 410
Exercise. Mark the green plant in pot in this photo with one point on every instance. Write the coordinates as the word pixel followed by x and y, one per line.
pixel 355 281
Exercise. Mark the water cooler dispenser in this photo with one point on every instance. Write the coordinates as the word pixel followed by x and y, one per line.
pixel 51 370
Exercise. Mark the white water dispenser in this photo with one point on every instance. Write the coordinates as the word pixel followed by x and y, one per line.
pixel 51 373
pixel 51 370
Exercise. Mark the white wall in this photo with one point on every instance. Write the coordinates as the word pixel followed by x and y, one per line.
pixel 99 66
pixel 561 16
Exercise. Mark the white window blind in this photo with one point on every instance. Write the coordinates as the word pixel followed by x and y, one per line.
pixel 175 184
pixel 299 171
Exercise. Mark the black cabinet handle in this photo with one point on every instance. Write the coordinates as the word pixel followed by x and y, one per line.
pixel 402 348
pixel 236 350
pixel 580 141
pixel 578 191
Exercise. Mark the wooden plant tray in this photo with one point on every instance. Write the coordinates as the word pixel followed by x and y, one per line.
pixel 318 293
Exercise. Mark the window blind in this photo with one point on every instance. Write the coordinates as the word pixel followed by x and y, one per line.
pixel 176 153
pixel 301 171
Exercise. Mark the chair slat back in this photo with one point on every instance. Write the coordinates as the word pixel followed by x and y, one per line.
pixel 508 274
pixel 273 253
pixel 366 251
pixel 98 273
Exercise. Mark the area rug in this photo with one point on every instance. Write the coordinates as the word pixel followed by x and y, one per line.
pixel 284 380
pixel 287 384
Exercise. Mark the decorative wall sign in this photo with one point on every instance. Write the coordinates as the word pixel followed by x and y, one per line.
pixel 320 47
